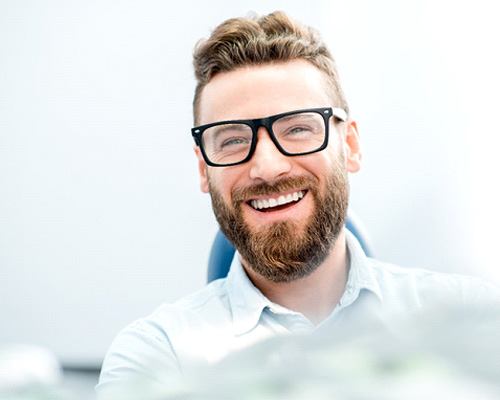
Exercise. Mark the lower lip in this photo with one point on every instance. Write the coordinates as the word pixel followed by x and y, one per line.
pixel 276 213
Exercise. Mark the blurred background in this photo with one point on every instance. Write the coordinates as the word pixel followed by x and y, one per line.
pixel 101 218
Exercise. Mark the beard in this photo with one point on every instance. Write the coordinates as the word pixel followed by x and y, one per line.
pixel 286 250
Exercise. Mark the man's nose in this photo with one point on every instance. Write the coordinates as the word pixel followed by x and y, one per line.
pixel 267 162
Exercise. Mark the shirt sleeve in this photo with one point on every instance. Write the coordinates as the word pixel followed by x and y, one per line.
pixel 140 359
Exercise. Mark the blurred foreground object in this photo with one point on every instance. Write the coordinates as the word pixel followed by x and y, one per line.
pixel 29 372
pixel 440 354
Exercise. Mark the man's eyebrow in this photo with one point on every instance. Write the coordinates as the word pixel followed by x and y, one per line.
pixel 302 116
pixel 219 129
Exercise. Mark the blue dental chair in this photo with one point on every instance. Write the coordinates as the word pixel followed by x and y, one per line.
pixel 222 252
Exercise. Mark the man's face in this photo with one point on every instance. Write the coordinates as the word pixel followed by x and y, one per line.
pixel 288 241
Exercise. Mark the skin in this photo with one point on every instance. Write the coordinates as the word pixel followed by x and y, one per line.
pixel 259 91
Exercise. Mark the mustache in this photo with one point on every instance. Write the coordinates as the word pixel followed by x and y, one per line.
pixel 265 188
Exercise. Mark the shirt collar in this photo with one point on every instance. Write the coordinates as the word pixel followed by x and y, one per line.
pixel 247 302
pixel 361 274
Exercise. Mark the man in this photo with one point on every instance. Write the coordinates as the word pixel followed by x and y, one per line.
pixel 274 143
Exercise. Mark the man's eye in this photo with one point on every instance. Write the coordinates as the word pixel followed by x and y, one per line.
pixel 234 141
pixel 298 130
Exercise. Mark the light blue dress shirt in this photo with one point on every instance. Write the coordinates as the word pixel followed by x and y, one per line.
pixel 230 314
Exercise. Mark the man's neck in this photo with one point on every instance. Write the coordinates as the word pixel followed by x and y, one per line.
pixel 316 295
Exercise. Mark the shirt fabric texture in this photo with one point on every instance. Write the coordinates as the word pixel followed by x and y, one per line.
pixel 231 314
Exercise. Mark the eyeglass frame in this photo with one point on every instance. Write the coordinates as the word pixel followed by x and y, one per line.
pixel 267 122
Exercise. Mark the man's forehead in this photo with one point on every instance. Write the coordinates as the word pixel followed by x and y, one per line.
pixel 261 90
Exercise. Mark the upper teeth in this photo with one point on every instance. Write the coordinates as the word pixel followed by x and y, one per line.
pixel 274 202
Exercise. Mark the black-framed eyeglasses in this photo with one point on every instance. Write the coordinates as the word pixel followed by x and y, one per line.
pixel 295 133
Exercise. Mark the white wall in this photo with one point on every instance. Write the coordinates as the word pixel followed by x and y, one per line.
pixel 423 81
pixel 101 219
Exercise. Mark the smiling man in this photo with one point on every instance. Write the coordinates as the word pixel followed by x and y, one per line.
pixel 275 143
pixel 278 154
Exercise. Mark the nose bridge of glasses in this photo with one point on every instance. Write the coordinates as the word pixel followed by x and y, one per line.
pixel 264 135
pixel 264 125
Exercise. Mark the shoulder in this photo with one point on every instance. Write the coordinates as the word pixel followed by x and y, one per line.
pixel 213 293
pixel 210 302
pixel 427 287
pixel 153 348
pixel 171 319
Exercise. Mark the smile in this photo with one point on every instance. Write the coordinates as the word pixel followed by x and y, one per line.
pixel 273 202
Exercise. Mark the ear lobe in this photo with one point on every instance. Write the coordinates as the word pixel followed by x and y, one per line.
pixel 353 148
pixel 202 170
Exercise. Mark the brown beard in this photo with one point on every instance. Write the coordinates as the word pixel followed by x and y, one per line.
pixel 285 251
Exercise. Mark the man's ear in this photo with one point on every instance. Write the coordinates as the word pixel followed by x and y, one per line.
pixel 353 148
pixel 202 170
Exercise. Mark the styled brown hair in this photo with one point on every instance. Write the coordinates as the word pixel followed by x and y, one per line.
pixel 254 40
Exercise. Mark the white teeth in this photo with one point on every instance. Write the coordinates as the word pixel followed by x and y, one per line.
pixel 272 202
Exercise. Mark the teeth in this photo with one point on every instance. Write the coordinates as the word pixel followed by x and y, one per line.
pixel 272 202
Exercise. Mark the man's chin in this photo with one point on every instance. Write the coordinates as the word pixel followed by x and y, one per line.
pixel 293 228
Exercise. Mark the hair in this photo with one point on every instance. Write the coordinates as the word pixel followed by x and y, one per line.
pixel 273 38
